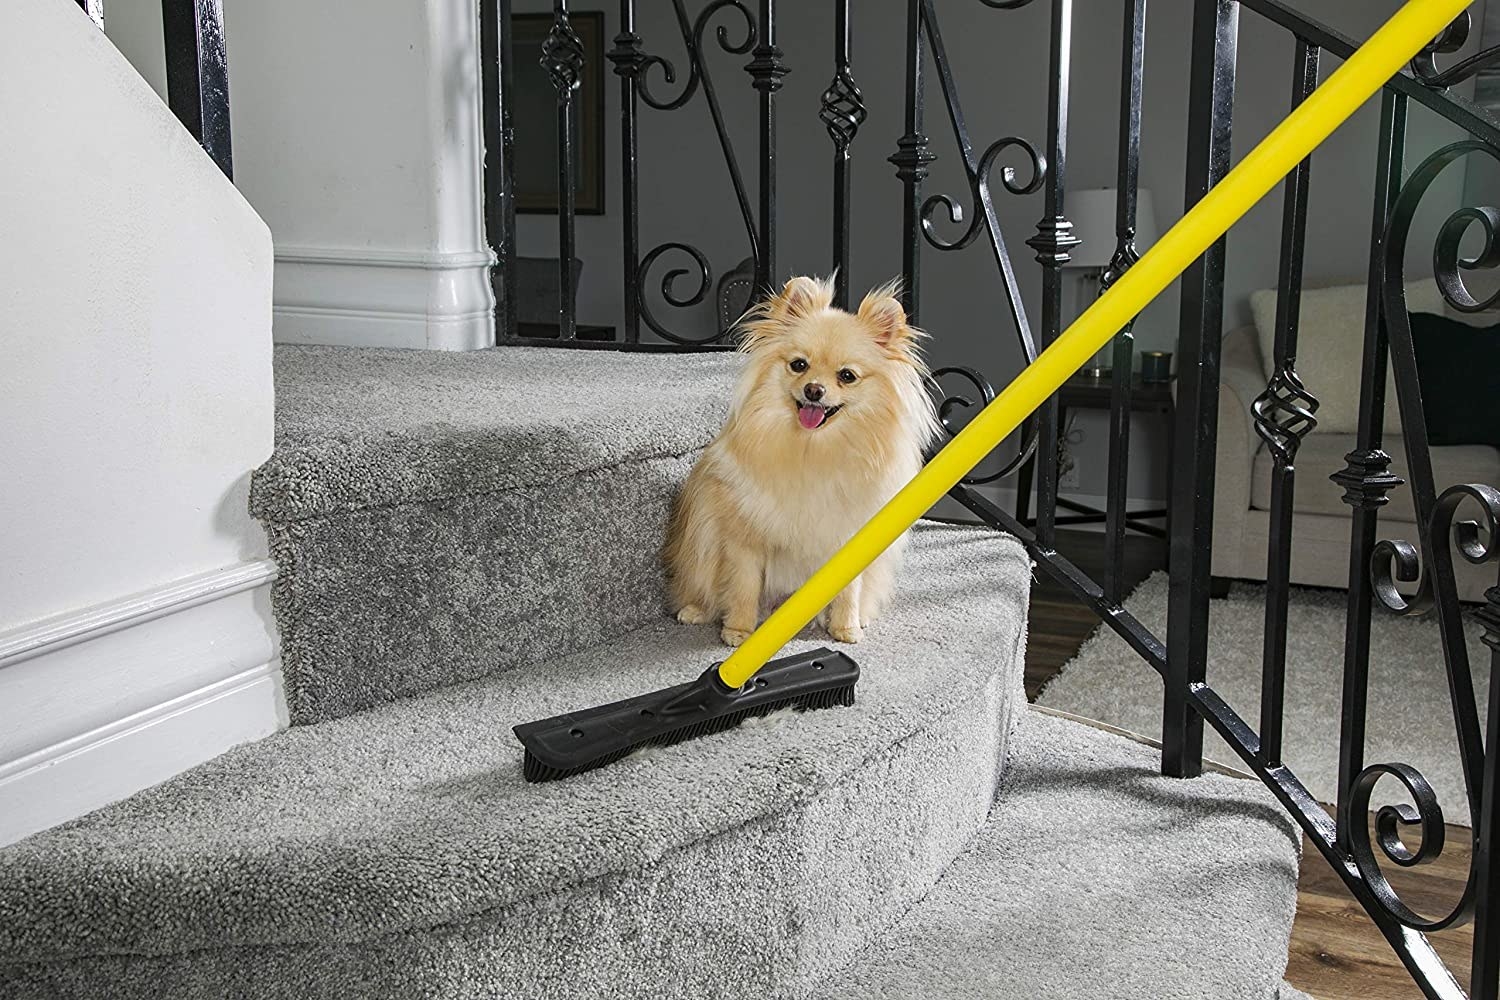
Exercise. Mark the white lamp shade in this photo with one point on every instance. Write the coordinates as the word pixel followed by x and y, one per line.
pixel 1092 212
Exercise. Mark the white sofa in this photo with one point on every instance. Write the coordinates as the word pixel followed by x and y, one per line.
pixel 1331 332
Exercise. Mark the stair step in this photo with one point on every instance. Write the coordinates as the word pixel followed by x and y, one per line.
pixel 1097 877
pixel 398 852
pixel 438 517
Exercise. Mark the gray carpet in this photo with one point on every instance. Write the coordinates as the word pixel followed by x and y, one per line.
pixel 1096 877
pixel 398 853
pixel 440 517
pixel 467 542
pixel 1410 717
pixel 360 427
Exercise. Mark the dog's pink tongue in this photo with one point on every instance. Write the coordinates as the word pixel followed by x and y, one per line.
pixel 811 416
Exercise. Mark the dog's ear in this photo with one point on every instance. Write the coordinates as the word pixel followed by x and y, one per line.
pixel 802 296
pixel 771 318
pixel 883 315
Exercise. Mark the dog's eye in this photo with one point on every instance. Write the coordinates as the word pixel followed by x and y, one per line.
pixel 798 365
pixel 846 376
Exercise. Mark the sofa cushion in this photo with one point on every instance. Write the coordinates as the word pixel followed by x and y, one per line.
pixel 1330 346
pixel 1321 455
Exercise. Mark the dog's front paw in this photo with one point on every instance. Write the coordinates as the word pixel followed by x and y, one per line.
pixel 847 633
pixel 733 636
pixel 693 615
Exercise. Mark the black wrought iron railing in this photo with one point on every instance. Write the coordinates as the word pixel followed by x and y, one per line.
pixel 197 70
pixel 1283 414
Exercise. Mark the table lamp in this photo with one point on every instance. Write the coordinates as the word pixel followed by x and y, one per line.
pixel 1092 212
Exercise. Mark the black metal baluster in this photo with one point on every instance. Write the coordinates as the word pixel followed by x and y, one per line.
pixel 698 77
pixel 979 169
pixel 1433 563
pixel 1485 974
pixel 629 60
pixel 1126 254
pixel 978 166
pixel 1210 114
pixel 911 160
pixel 198 74
pixel 1438 587
pixel 1053 241
pixel 1283 416
pixel 766 70
pixel 1366 478
pixel 842 113
pixel 496 79
pixel 1116 509
pixel 562 58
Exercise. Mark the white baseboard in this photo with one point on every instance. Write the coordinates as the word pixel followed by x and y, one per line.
pixel 100 703
pixel 383 298
pixel 107 764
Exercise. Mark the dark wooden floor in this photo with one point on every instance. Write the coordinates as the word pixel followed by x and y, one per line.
pixel 1336 951
pixel 1059 624
pixel 1337 954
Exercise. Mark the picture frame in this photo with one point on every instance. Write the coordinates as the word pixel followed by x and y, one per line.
pixel 534 115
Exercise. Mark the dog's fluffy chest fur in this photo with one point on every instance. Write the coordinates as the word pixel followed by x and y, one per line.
pixel 808 504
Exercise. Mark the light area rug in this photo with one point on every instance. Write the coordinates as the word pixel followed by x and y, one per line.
pixel 1410 716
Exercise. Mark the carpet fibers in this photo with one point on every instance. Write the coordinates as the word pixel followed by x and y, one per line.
pixel 439 517
pixel 400 850
pixel 470 541
pixel 1097 877
pixel 1410 716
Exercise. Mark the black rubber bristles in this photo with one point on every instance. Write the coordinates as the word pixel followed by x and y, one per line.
pixel 581 741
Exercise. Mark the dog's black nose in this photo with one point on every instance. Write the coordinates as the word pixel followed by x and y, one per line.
pixel 813 391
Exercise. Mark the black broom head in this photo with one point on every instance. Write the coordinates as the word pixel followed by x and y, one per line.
pixel 581 741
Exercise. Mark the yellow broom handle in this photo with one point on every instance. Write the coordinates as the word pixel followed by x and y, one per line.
pixel 1376 61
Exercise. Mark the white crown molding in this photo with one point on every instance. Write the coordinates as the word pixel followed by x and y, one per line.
pixel 60 631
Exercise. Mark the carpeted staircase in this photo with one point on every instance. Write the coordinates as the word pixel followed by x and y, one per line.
pixel 470 541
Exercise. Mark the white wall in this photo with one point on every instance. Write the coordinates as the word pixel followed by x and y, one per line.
pixel 357 139
pixel 135 398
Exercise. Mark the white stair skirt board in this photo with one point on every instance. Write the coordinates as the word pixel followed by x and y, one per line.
pixel 105 701
pixel 383 298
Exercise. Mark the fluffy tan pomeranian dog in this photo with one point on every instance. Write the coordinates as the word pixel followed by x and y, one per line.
pixel 830 419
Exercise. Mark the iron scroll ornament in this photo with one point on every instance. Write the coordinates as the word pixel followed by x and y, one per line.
pixel 842 110
pixel 979 190
pixel 698 77
pixel 1424 66
pixel 1427 814
pixel 978 171
pixel 948 404
pixel 1430 566
pixel 563 56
